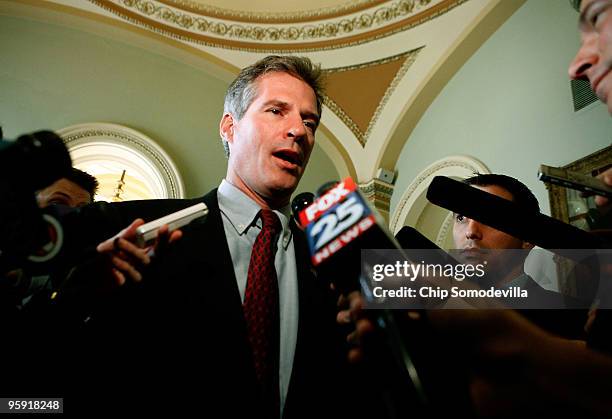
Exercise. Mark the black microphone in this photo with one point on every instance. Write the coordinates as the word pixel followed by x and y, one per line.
pixel 300 202
pixel 502 214
pixel 339 225
pixel 410 238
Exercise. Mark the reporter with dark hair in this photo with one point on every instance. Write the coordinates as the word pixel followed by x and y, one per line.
pixel 76 189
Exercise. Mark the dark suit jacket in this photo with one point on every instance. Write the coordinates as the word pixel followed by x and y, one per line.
pixel 552 311
pixel 177 341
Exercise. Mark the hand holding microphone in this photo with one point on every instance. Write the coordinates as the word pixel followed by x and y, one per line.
pixel 338 226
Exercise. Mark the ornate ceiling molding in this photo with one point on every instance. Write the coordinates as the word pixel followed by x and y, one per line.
pixel 347 30
pixel 378 193
pixel 409 57
pixel 446 229
pixel 413 197
pixel 273 17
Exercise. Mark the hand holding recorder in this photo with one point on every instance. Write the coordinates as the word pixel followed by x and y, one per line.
pixel 133 247
pixel 601 186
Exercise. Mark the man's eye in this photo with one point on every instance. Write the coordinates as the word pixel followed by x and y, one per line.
pixel 310 124
pixel 459 218
pixel 597 13
pixel 275 111
pixel 592 19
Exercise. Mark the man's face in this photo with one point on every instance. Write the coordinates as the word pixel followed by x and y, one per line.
pixel 271 144
pixel 472 237
pixel 594 58
pixel 474 241
pixel 63 192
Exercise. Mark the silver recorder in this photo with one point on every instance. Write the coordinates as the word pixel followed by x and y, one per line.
pixel 573 180
pixel 147 233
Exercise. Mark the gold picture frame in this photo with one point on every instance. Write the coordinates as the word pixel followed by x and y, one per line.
pixel 562 208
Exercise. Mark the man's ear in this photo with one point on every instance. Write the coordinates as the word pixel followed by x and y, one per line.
pixel 528 246
pixel 226 127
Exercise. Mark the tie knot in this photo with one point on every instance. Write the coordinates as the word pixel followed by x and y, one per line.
pixel 270 221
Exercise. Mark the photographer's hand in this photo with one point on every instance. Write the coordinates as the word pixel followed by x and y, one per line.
pixel 600 201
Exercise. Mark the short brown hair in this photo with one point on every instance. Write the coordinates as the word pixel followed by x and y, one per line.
pixel 85 181
pixel 243 89
pixel 521 195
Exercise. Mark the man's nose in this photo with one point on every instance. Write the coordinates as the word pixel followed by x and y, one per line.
pixel 585 58
pixel 296 128
pixel 473 230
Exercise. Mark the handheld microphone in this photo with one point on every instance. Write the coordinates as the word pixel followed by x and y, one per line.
pixel 410 238
pixel 339 224
pixel 300 202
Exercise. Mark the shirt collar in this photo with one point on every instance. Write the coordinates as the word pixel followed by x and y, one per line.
pixel 241 211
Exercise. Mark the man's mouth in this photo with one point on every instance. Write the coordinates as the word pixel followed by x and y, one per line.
pixel 473 252
pixel 289 156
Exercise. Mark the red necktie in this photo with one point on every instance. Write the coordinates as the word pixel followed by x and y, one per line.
pixel 261 311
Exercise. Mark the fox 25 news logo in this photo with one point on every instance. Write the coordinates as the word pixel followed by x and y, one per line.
pixel 339 224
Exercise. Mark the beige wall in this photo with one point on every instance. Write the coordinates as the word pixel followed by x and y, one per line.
pixel 53 76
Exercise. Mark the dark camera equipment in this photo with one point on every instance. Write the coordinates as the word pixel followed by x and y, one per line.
pixel 27 164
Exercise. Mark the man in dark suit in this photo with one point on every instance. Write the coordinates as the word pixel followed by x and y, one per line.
pixel 193 334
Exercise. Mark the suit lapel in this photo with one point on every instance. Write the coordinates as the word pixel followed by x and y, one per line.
pixel 215 248
pixel 212 264
pixel 307 295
